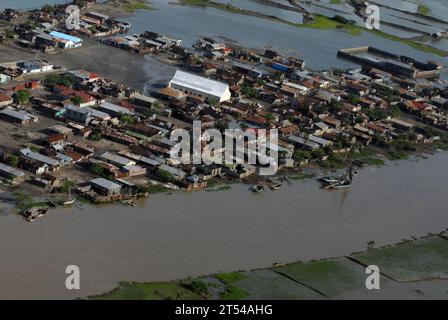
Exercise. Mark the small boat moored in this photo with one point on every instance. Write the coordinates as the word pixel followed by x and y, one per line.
pixel 69 202
pixel 257 188
pixel 276 186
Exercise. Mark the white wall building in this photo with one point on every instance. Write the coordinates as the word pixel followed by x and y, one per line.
pixel 199 86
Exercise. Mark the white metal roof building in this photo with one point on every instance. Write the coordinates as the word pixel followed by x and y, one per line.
pixel 105 187
pixel 114 109
pixel 200 86
pixel 40 158
pixel 116 159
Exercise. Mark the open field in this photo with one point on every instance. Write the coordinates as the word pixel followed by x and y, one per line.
pixel 419 262
pixel 412 261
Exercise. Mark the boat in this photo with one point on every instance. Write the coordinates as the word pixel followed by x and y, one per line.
pixel 339 182
pixel 69 202
pixel 340 185
pixel 331 179
pixel 257 188
pixel 130 202
pixel 276 186
pixel 33 213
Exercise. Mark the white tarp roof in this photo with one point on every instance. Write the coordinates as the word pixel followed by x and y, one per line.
pixel 198 83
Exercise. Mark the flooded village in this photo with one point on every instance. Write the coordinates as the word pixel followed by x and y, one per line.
pixel 73 133
pixel 86 125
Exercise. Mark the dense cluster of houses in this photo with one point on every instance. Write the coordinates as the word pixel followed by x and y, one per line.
pixel 46 28
pixel 318 115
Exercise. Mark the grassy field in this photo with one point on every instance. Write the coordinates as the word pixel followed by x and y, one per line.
pixel 419 263
pixel 150 291
pixel 411 261
pixel 134 5
pixel 331 277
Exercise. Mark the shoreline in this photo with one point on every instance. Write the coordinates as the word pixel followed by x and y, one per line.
pixel 289 175
pixel 313 274
pixel 321 22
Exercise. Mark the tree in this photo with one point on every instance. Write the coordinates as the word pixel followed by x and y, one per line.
pixel 125 118
pixel 67 185
pixel 97 168
pixel 318 153
pixel 199 287
pixel 269 117
pixel 77 100
pixel 22 96
pixel 52 80
pixel 13 160
pixel 213 101
pixel 67 80
pixel 96 136
pixel 335 106
pixel 9 33
pixel 222 125
pixel 48 8
pixel 166 176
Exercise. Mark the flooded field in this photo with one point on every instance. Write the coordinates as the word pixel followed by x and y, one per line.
pixel 410 270
pixel 27 4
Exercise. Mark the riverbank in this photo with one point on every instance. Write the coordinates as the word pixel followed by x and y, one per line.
pixel 412 269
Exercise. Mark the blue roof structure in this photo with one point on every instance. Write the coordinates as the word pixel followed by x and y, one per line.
pixel 65 36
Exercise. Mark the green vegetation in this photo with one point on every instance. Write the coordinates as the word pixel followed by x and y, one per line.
pixel 96 136
pixel 77 100
pixel 134 5
pixel 367 155
pixel 324 23
pixel 166 176
pixel 22 96
pixel 199 287
pixel 100 170
pixel 126 118
pixel 29 205
pixel 222 125
pixel 334 161
pixel 401 147
pixel 67 80
pixel 216 5
pixel 232 292
pixel 301 176
pixel 151 291
pixel 67 185
pixel 412 260
pixel 423 259
pixel 9 33
pixel 423 10
pixel 13 160
pixel 330 277
pixel 416 45
pixel 48 8
pixel 249 91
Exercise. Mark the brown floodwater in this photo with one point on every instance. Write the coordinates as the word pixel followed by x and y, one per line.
pixel 188 234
